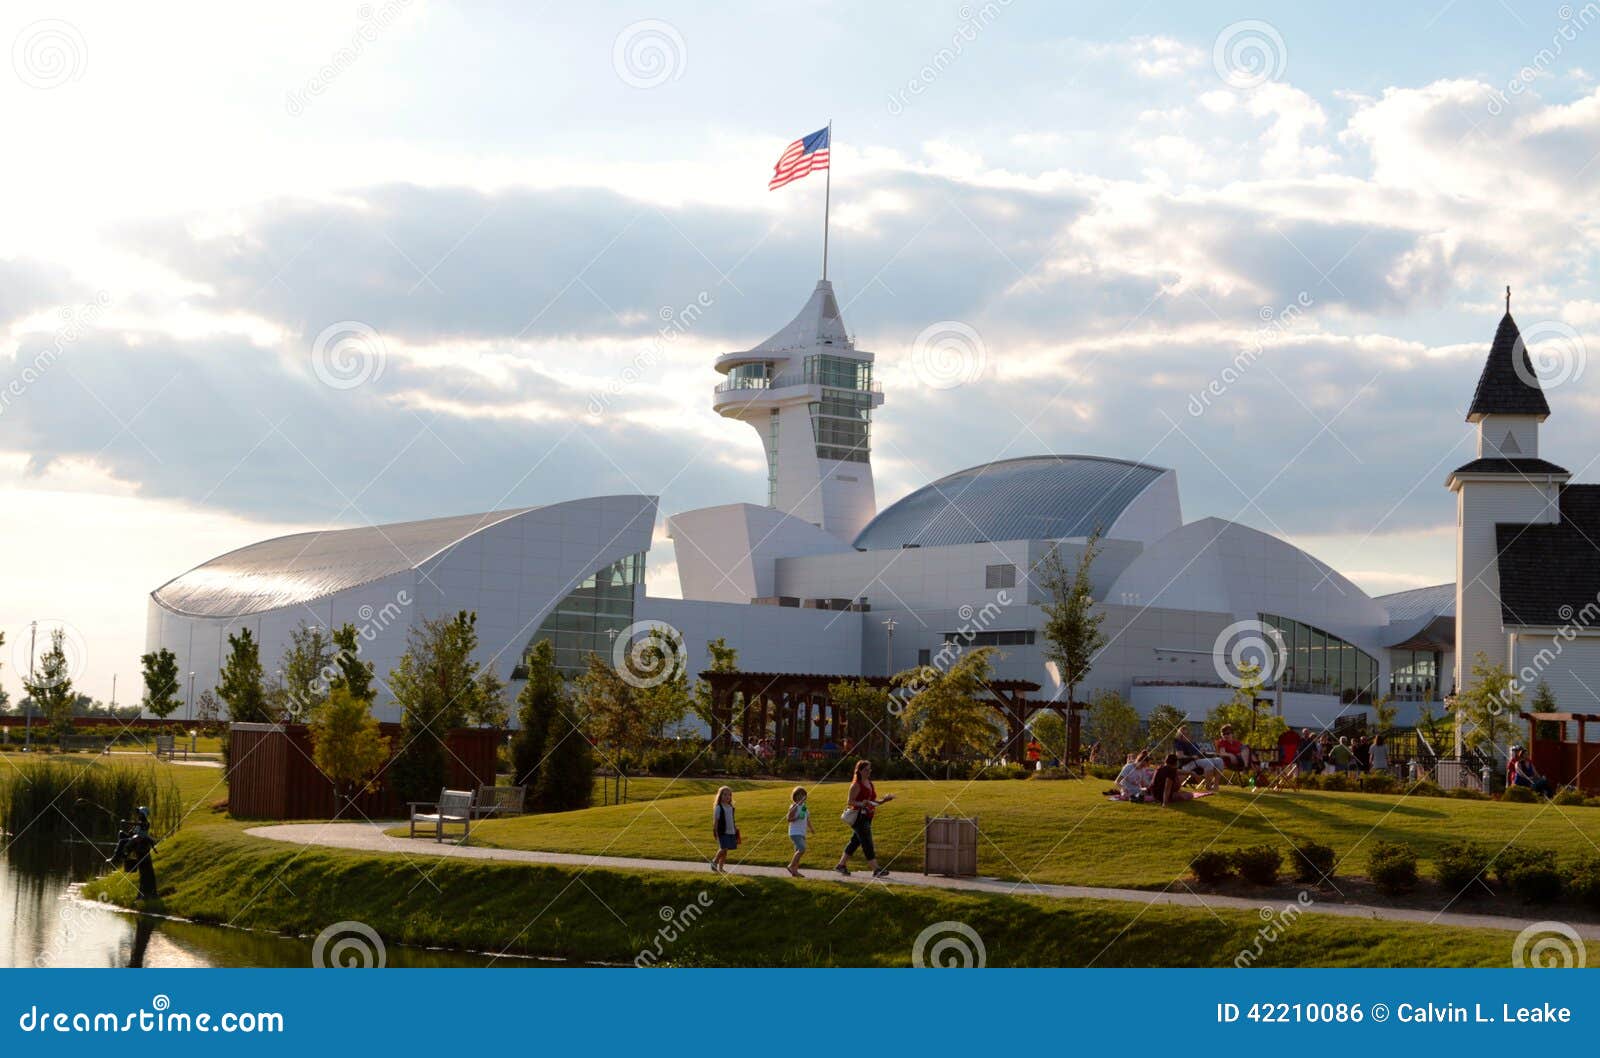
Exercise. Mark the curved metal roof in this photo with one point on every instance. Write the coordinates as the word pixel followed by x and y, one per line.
pixel 1032 498
pixel 303 566
pixel 1436 600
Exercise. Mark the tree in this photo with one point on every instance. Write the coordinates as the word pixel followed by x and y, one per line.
pixel 1252 722
pixel 1544 699
pixel 566 779
pixel 436 686
pixel 306 662
pixel 160 682
pixel 610 708
pixel 239 683
pixel 1384 712
pixel 488 708
pixel 662 684
pixel 1071 624
pixel 1051 732
pixel 50 685
pixel 207 710
pixel 350 672
pixel 946 718
pixel 873 716
pixel 537 703
pixel 1489 706
pixel 1113 723
pixel 1162 723
pixel 346 743
pixel 723 659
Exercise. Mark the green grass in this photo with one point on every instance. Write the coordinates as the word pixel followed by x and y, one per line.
pixel 217 874
pixel 648 787
pixel 1055 831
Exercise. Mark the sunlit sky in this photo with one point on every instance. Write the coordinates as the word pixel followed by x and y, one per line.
pixel 337 265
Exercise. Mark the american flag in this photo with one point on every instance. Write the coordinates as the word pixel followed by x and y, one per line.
pixel 805 155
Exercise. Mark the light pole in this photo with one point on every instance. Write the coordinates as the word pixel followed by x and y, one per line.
pixel 190 717
pixel 27 717
pixel 888 653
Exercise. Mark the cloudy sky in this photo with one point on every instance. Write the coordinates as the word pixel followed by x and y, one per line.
pixel 339 265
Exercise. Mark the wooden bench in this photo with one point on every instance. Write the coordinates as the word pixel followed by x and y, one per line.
pixel 499 801
pixel 452 807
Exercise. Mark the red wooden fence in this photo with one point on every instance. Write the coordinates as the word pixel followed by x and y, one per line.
pixel 271 773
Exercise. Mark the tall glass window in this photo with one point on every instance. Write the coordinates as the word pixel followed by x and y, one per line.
pixel 1320 662
pixel 839 372
pixel 749 376
pixel 841 424
pixel 1414 675
pixel 591 616
pixel 772 458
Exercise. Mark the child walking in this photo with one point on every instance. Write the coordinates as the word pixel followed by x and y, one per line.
pixel 724 829
pixel 799 827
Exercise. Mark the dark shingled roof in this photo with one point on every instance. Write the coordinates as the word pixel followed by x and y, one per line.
pixel 1503 389
pixel 1509 466
pixel 1549 573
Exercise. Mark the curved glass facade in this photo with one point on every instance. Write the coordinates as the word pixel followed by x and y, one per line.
pixel 749 376
pixel 590 617
pixel 1319 662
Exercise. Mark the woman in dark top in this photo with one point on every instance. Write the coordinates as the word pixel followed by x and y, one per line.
pixel 1164 788
pixel 864 802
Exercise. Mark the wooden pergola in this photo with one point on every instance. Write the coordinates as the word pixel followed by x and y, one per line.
pixel 796 710
pixel 1565 761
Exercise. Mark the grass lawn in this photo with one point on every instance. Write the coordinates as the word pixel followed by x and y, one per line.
pixel 217 874
pixel 1055 831
pixel 649 788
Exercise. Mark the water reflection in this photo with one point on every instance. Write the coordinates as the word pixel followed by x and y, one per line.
pixel 51 925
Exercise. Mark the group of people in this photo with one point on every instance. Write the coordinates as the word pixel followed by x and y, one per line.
pixel 1521 772
pixel 1309 754
pixel 861 804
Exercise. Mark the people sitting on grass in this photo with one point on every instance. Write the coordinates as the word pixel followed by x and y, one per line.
pixel 1133 781
pixel 1235 754
pixel 1167 784
pixel 1521 772
pixel 1184 746
pixel 1206 771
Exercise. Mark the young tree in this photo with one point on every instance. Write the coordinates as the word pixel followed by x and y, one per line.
pixel 1072 625
pixel 1162 723
pixel 723 659
pixel 566 779
pixel 346 743
pixel 160 669
pixel 240 681
pixel 306 659
pixel 947 718
pixel 1489 707
pixel 436 687
pixel 871 715
pixel 610 708
pixel 1113 723
pixel 654 666
pixel 1252 722
pixel 51 685
pixel 351 673
pixel 1051 732
pixel 1384 712
pixel 537 703
pixel 1544 700
pixel 488 708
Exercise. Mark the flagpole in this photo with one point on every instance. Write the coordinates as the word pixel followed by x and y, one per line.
pixel 827 202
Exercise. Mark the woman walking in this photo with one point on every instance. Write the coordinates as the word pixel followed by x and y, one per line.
pixel 864 802
pixel 724 829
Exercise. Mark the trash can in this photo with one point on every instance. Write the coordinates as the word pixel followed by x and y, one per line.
pixel 950 846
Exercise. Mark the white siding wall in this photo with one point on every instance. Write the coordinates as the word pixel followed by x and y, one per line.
pixel 1570 666
pixel 1479 506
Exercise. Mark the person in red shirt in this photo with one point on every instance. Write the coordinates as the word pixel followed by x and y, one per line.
pixel 1288 747
pixel 1235 754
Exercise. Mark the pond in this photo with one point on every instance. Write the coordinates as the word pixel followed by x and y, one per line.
pixel 44 922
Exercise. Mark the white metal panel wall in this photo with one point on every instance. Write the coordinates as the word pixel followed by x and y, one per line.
pixel 1480 505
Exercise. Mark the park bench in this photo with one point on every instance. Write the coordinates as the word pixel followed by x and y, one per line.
pixel 454 807
pixel 166 747
pixel 499 801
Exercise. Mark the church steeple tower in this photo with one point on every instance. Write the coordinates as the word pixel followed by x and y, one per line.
pixel 1508 404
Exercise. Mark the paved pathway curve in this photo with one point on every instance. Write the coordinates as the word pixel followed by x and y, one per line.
pixel 369 837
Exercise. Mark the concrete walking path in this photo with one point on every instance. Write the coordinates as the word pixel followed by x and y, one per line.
pixel 370 837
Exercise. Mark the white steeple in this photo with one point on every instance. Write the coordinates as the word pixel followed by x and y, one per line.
pixel 808 392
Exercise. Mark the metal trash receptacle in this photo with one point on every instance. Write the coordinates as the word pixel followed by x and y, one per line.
pixel 950 846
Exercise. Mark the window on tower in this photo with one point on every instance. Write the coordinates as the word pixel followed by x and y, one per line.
pixel 841 425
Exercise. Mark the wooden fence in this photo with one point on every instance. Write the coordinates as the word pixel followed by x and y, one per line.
pixel 272 775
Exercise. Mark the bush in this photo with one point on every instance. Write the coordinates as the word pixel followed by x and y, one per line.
pixel 1108 772
pixel 1513 858
pixel 1312 860
pixel 1582 881
pixel 1379 782
pixel 1425 788
pixel 1392 867
pixel 1569 796
pixel 1519 795
pixel 1002 771
pixel 1257 864
pixel 1537 881
pixel 1338 781
pixel 1459 863
pixel 1466 793
pixel 1211 867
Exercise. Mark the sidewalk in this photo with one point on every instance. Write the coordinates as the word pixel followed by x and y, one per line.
pixel 369 837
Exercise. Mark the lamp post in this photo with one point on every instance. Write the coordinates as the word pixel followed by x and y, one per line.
pixel 888 652
pixel 27 716
pixel 190 717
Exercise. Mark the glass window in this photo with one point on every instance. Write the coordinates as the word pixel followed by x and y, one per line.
pixel 840 372
pixel 749 376
pixel 1322 663
pixel 841 425
pixel 1003 575
pixel 588 620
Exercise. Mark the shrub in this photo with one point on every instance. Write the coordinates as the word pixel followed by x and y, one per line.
pixel 1257 864
pixel 1002 771
pixel 1392 867
pixel 1425 788
pixel 1466 793
pixel 1211 867
pixel 1569 796
pixel 1338 781
pixel 1459 863
pixel 1513 858
pixel 1107 772
pixel 1379 782
pixel 1519 795
pixel 1537 881
pixel 1582 881
pixel 1312 860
